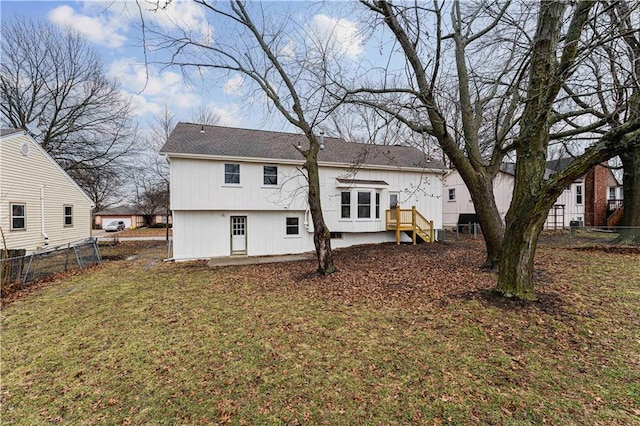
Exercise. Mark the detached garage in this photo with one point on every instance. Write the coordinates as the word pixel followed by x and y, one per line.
pixel 126 214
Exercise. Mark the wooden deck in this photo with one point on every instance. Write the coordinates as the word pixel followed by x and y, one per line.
pixel 410 221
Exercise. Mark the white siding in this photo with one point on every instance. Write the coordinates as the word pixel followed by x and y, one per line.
pixel 21 179
pixel 202 204
pixel 503 192
pixel 502 189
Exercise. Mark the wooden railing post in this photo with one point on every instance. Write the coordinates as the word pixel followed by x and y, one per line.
pixel 413 224
pixel 398 223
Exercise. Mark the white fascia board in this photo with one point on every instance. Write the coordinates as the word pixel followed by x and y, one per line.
pixel 301 162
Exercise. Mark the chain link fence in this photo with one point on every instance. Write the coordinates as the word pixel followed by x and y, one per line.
pixel 18 271
pixel 568 237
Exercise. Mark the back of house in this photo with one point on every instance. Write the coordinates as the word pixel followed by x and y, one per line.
pixel 40 204
pixel 244 192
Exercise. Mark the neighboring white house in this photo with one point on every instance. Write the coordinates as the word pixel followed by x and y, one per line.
pixel 40 205
pixel 585 201
pixel 240 191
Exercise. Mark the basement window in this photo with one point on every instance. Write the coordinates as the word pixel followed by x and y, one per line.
pixel 293 226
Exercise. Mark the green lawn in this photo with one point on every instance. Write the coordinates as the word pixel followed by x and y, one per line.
pixel 146 342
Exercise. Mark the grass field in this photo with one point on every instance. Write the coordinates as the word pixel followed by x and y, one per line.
pixel 145 342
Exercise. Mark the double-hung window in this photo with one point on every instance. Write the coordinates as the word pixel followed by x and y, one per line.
pixel 345 205
pixel 232 173
pixel 293 226
pixel 18 216
pixel 452 194
pixel 364 205
pixel 68 216
pixel 579 194
pixel 270 175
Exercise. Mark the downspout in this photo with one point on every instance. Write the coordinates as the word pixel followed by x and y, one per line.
pixel 44 232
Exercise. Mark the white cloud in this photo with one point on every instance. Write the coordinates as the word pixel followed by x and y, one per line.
pixel 97 29
pixel 230 114
pixel 233 86
pixel 339 34
pixel 153 87
pixel 185 16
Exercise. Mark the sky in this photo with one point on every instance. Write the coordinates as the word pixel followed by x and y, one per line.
pixel 115 34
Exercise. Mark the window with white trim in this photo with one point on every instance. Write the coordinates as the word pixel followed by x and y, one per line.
pixel 377 205
pixel 345 205
pixel 612 192
pixel 18 216
pixel 232 173
pixel 68 216
pixel 579 194
pixel 270 175
pixel 364 205
pixel 452 194
pixel 293 226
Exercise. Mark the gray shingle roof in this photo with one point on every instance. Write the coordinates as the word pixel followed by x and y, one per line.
pixel 218 141
pixel 553 167
pixel 6 132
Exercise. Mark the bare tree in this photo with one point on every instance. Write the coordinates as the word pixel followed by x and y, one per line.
pixel 494 113
pixel 477 132
pixel 204 115
pixel 256 47
pixel 628 84
pixel 105 186
pixel 53 86
pixel 533 196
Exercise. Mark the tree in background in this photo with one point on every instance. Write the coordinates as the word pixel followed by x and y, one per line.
pixel 53 85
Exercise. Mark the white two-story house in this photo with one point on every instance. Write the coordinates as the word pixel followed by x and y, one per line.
pixel 243 192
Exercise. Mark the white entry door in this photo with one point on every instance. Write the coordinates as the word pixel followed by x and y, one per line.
pixel 238 235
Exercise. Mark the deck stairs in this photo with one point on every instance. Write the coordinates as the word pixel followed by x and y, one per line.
pixel 411 222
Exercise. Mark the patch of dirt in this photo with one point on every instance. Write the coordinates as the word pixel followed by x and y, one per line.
pixel 382 273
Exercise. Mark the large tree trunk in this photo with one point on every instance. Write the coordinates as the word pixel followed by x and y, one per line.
pixel 489 219
pixel 523 224
pixel 631 195
pixel 321 234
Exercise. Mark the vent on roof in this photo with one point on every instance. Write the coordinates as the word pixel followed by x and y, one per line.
pixel 321 140
pixel 202 128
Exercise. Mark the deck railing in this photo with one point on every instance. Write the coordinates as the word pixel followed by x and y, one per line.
pixel 410 220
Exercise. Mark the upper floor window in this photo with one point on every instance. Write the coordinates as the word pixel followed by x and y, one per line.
pixel 452 194
pixel 364 205
pixel 270 175
pixel 612 192
pixel 232 173
pixel 579 194
pixel 293 226
pixel 68 215
pixel 345 205
pixel 18 216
